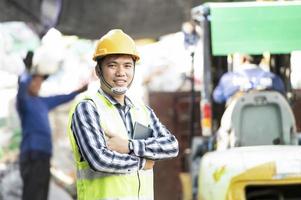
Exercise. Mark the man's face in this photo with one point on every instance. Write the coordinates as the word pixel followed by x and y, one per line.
pixel 118 70
pixel 35 85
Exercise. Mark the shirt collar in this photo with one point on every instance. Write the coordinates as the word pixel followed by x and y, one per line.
pixel 248 66
pixel 128 102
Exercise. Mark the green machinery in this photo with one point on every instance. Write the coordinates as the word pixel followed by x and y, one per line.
pixel 271 167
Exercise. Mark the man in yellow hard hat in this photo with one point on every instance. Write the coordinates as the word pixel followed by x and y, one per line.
pixel 116 139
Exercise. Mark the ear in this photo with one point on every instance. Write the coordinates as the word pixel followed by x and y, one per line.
pixel 98 70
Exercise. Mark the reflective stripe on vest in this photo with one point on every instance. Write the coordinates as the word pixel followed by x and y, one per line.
pixel 106 186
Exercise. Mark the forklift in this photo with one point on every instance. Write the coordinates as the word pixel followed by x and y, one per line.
pixel 264 159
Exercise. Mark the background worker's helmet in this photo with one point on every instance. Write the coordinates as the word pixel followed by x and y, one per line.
pixel 45 62
pixel 115 42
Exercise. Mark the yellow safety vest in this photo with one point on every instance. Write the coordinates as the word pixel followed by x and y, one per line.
pixel 92 185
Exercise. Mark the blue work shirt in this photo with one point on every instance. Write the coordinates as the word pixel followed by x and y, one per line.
pixel 33 112
pixel 245 80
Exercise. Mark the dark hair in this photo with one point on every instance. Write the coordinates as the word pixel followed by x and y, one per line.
pixel 256 59
pixel 44 76
pixel 99 61
pixel 28 60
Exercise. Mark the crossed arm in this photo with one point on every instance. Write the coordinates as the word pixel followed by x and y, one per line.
pixel 112 155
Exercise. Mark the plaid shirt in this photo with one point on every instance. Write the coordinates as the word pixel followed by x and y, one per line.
pixel 90 139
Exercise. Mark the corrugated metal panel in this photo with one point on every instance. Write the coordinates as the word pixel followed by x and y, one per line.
pixel 91 19
pixel 173 110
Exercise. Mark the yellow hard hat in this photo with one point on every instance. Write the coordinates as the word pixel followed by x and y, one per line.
pixel 115 42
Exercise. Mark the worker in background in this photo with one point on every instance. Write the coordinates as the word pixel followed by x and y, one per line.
pixel 248 77
pixel 36 144
pixel 112 162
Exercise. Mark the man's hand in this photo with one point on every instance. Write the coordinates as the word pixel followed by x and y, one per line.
pixel 121 145
pixel 82 88
pixel 118 144
pixel 149 164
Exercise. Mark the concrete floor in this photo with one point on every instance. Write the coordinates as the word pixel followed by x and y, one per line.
pixel 11 187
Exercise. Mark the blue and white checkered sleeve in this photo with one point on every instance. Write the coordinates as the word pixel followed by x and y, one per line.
pixel 92 145
pixel 162 145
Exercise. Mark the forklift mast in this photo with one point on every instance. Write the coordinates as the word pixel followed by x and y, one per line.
pixel 245 27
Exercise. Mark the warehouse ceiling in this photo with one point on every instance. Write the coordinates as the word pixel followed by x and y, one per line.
pixel 91 19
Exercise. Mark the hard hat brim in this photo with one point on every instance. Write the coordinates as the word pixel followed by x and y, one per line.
pixel 97 57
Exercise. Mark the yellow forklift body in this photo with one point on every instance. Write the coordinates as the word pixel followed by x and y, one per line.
pixel 225 175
